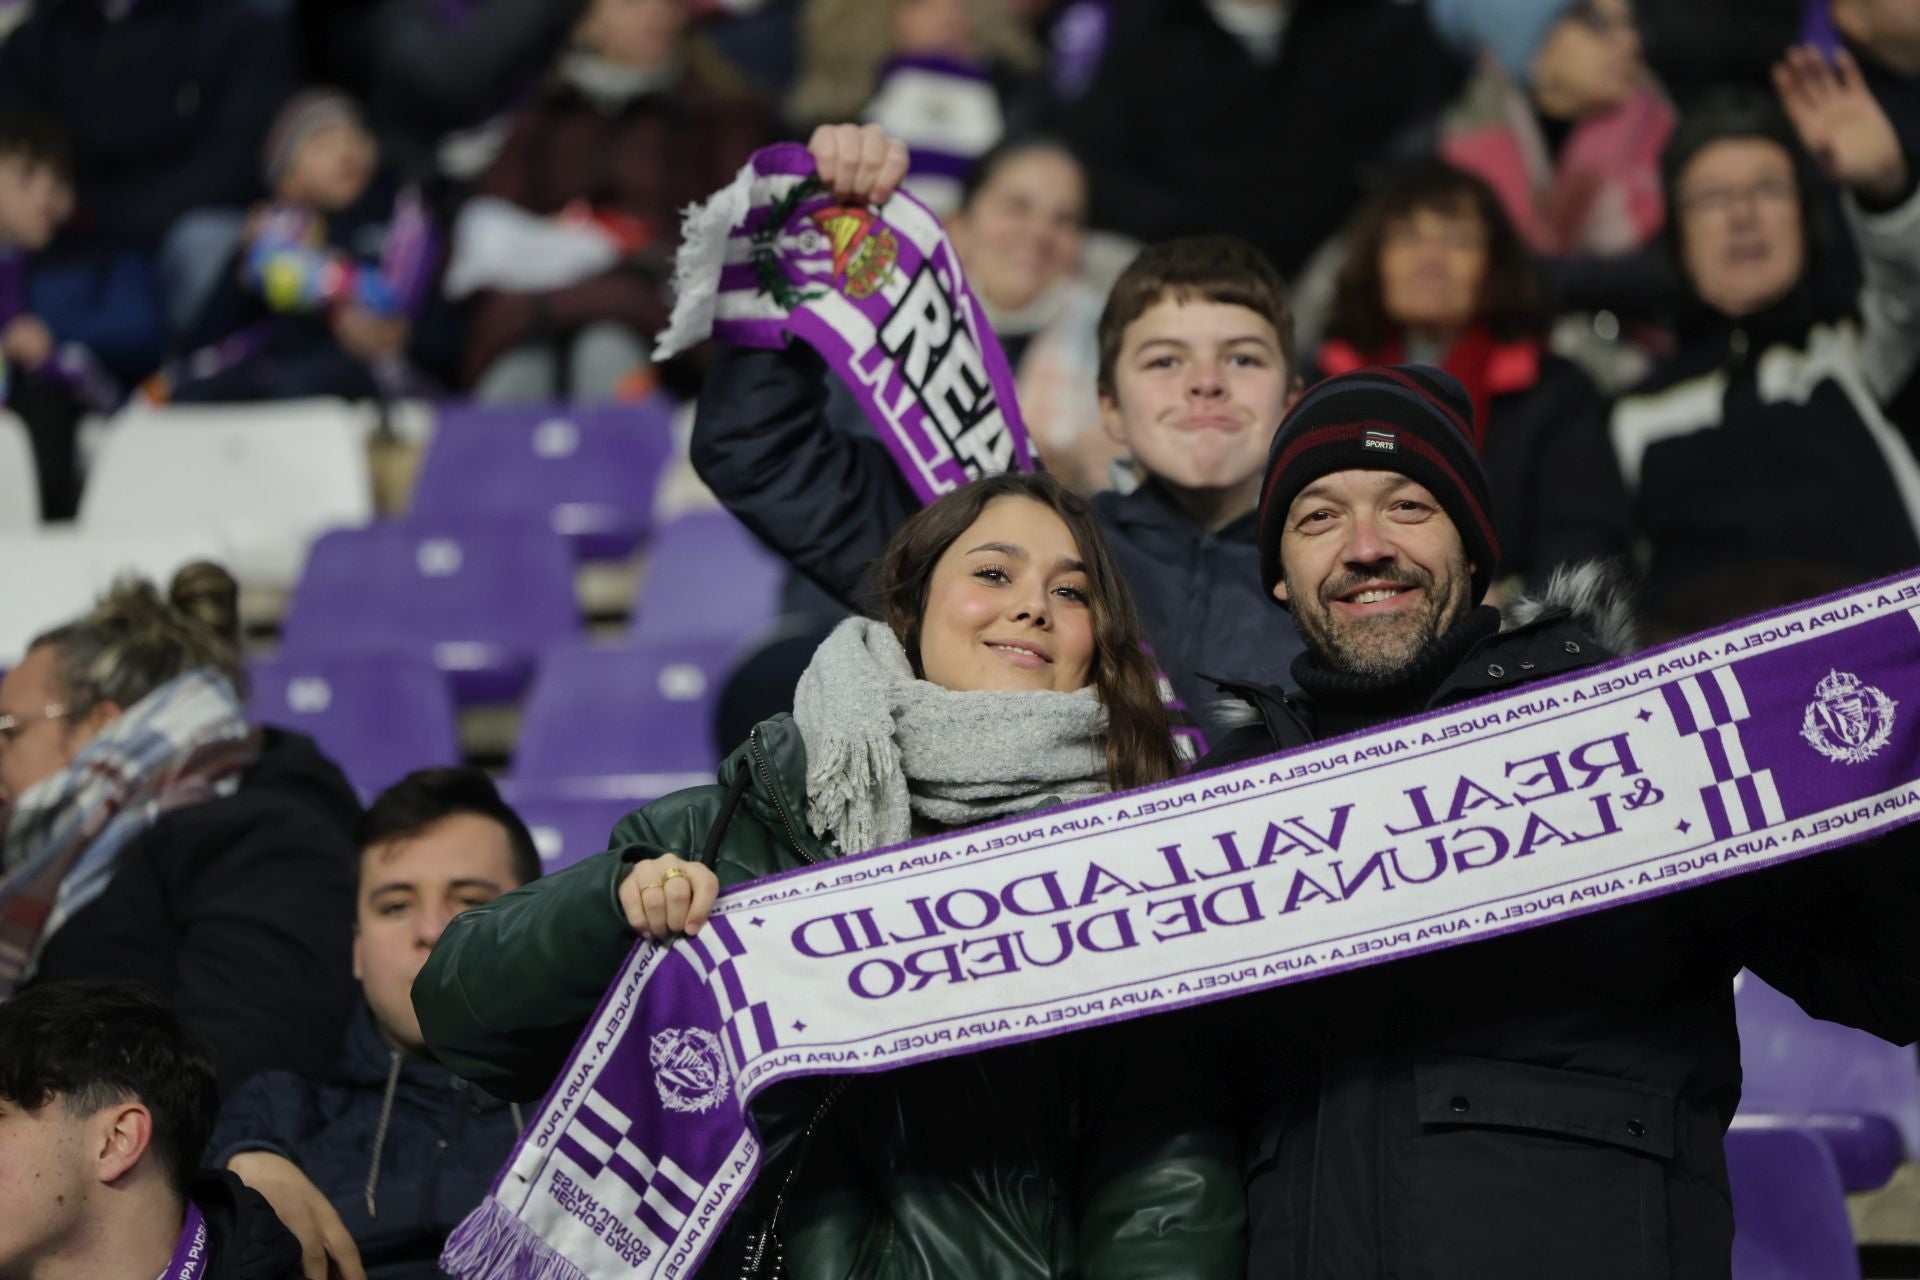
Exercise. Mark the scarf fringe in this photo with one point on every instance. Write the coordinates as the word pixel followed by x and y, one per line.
pixel 841 783
pixel 493 1244
pixel 705 230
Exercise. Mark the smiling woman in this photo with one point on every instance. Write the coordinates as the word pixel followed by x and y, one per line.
pixel 1003 674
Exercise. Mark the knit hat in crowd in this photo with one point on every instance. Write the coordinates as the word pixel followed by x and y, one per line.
pixel 305 114
pixel 1511 30
pixel 1412 419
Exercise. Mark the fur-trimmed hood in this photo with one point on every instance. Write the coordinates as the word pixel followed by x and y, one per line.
pixel 1595 592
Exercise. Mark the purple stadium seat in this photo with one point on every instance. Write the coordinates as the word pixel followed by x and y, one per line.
pixel 568 828
pixel 481 602
pixel 1789 1213
pixel 1857 1093
pixel 588 472
pixel 707 578
pixel 629 722
pixel 379 717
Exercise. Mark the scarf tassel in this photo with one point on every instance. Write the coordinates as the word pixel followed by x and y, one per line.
pixel 494 1244
pixel 844 792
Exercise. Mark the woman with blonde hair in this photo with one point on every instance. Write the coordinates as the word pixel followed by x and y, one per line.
pixel 1004 675
pixel 149 832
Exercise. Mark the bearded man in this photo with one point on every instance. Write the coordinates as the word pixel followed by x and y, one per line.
pixel 1551 1102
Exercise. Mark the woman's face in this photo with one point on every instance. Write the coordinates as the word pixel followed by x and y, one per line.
pixel 1008 605
pixel 1433 264
pixel 1022 231
pixel 633 33
pixel 934 29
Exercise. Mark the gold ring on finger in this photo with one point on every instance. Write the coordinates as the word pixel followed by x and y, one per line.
pixel 673 873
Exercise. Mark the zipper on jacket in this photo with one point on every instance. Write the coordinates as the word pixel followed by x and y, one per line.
pixel 779 805
pixel 880 1254
pixel 766 1238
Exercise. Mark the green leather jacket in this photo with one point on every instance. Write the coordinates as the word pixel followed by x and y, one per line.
pixel 1026 1161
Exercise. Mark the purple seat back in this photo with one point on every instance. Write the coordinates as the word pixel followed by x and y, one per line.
pixel 568 828
pixel 1789 1213
pixel 379 717
pixel 707 578
pixel 589 472
pixel 628 722
pixel 481 602
pixel 1857 1092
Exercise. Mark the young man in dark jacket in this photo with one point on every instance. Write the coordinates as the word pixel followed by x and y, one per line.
pixel 1552 1103
pixel 105 1103
pixel 377 1166
pixel 1196 367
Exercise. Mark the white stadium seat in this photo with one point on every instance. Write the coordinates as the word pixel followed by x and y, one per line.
pixel 52 577
pixel 19 491
pixel 263 480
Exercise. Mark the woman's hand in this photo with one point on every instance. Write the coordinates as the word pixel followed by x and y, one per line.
pixel 668 895
pixel 327 1252
pixel 859 163
pixel 1841 123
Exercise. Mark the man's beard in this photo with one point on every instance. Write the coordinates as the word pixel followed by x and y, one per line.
pixel 1382 644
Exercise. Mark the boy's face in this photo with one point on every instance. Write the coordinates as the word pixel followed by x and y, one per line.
pixel 1198 390
pixel 46 1180
pixel 34 201
pixel 409 889
pixel 331 167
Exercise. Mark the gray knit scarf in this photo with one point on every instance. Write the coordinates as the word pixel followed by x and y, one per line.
pixel 885 748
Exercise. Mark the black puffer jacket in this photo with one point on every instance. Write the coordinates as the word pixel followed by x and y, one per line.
pixel 828 501
pixel 1553 1102
pixel 239 912
pixel 244 1238
pixel 403 1147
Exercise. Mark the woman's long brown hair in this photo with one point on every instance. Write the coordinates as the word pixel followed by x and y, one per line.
pixel 1139 742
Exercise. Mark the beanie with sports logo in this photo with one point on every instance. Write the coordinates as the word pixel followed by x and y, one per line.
pixel 1411 419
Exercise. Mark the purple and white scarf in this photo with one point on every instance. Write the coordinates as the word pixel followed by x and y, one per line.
pixel 1743 748
pixel 878 292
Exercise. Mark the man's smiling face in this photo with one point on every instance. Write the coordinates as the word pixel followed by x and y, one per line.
pixel 1373 569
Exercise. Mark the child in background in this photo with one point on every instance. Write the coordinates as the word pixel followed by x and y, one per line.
pixel 566 250
pixel 327 278
pixel 47 383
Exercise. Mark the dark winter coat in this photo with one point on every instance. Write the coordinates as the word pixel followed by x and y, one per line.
pixel 440 1142
pixel 1183 132
pixel 1551 1103
pixel 1002 1164
pixel 647 160
pixel 239 912
pixel 246 1241
pixel 166 107
pixel 829 501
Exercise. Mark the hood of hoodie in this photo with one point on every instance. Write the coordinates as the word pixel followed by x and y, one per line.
pixel 248 1241
pixel 1150 510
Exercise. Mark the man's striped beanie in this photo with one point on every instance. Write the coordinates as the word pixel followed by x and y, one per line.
pixel 1412 419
